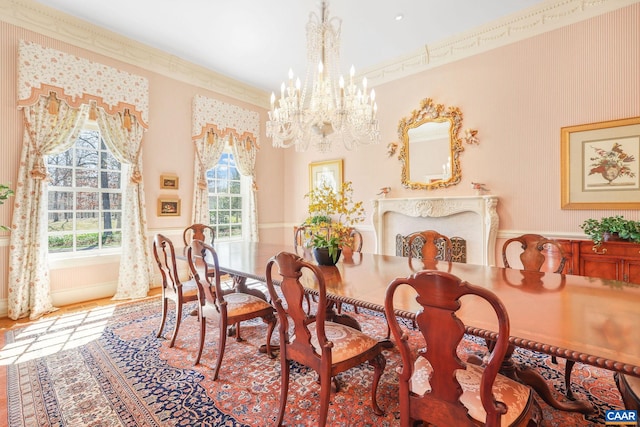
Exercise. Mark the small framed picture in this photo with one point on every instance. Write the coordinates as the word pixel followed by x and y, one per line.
pixel 169 182
pixel 168 207
pixel 325 173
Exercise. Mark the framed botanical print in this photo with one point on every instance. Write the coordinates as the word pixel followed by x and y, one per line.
pixel 600 165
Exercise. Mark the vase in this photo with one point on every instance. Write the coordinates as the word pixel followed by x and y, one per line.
pixel 611 172
pixel 323 258
pixel 612 237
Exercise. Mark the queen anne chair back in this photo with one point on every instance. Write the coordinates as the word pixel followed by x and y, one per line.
pixel 435 385
pixel 304 338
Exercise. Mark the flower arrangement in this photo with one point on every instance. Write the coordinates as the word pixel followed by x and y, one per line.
pixel 611 164
pixel 332 214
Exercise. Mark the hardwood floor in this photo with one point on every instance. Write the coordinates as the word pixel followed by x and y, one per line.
pixel 6 323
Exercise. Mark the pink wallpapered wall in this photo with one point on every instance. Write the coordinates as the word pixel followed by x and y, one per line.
pixel 517 96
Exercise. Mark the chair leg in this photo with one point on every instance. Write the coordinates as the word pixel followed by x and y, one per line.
pixel 203 332
pixel 325 395
pixel 164 316
pixel 178 320
pixel 567 378
pixel 284 386
pixel 271 321
pixel 221 347
pixel 378 363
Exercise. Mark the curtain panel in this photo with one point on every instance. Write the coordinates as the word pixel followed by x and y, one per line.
pixel 57 92
pixel 215 124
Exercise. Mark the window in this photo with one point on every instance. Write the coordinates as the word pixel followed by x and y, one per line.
pixel 226 198
pixel 84 196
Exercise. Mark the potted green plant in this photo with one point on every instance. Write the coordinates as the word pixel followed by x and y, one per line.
pixel 332 215
pixel 611 228
pixel 5 192
pixel 326 249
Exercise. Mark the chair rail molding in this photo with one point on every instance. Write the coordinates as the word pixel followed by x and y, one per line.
pixel 472 217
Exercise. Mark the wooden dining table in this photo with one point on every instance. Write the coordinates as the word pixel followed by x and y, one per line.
pixel 584 319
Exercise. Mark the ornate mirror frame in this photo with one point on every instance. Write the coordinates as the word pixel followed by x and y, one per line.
pixel 429 113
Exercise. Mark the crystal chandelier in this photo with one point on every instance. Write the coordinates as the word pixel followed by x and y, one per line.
pixel 335 110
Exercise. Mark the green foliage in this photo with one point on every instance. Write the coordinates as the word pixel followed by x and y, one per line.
pixel 333 244
pixel 5 192
pixel 626 229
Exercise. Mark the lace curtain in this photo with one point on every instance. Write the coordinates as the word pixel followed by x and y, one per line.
pixel 51 127
pixel 122 133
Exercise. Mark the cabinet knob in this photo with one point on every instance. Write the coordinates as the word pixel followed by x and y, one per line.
pixel 595 250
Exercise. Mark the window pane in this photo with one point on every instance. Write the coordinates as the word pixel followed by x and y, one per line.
pixel 87 221
pixel 60 177
pixel 108 161
pixel 86 178
pixel 213 203
pixel 110 179
pixel 62 159
pixel 88 139
pixel 236 231
pixel 223 232
pixel 111 201
pixel 87 159
pixel 60 201
pixel 111 221
pixel 87 241
pixel 224 202
pixel 235 175
pixel 60 221
pixel 213 217
pixel 235 217
pixel 223 217
pixel 61 243
pixel 236 203
pixel 87 201
pixel 111 239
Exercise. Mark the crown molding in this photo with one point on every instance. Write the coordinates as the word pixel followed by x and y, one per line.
pixel 47 21
pixel 539 19
pixel 545 17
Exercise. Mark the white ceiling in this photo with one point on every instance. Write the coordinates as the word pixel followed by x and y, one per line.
pixel 257 41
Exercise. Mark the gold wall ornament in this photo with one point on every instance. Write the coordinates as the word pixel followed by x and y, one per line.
pixel 430 146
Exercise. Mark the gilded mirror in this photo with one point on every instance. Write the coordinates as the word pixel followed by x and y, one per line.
pixel 430 146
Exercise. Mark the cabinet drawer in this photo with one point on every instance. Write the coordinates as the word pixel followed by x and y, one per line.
pixel 615 249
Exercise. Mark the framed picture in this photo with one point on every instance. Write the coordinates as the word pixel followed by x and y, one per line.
pixel 170 182
pixel 600 165
pixel 327 172
pixel 168 207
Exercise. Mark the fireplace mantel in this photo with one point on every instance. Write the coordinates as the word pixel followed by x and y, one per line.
pixel 474 218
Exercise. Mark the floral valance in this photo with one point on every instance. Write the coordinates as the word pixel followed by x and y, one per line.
pixel 79 81
pixel 224 119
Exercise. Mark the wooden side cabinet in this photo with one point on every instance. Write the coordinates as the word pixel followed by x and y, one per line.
pixel 610 260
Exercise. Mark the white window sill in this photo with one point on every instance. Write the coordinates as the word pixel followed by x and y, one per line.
pixel 68 260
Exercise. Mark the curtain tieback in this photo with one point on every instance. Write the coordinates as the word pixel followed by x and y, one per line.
pixel 202 184
pixel 136 176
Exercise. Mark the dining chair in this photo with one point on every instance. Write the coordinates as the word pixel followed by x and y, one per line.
pixel 173 289
pixel 203 232
pixel 313 341
pixel 540 254
pixel 435 385
pixel 629 388
pixel 229 308
pixel 435 247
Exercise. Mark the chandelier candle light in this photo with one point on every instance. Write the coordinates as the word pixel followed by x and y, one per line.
pixel 333 111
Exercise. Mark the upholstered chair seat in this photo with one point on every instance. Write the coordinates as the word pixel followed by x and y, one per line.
pixel 513 394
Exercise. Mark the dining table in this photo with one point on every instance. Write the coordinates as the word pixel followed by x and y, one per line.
pixel 585 319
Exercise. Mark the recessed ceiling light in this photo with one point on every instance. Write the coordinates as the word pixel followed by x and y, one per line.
pixel 399 17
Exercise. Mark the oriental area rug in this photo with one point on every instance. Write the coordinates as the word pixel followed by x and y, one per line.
pixel 105 367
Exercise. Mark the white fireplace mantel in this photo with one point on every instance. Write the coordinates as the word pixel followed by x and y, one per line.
pixel 474 218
